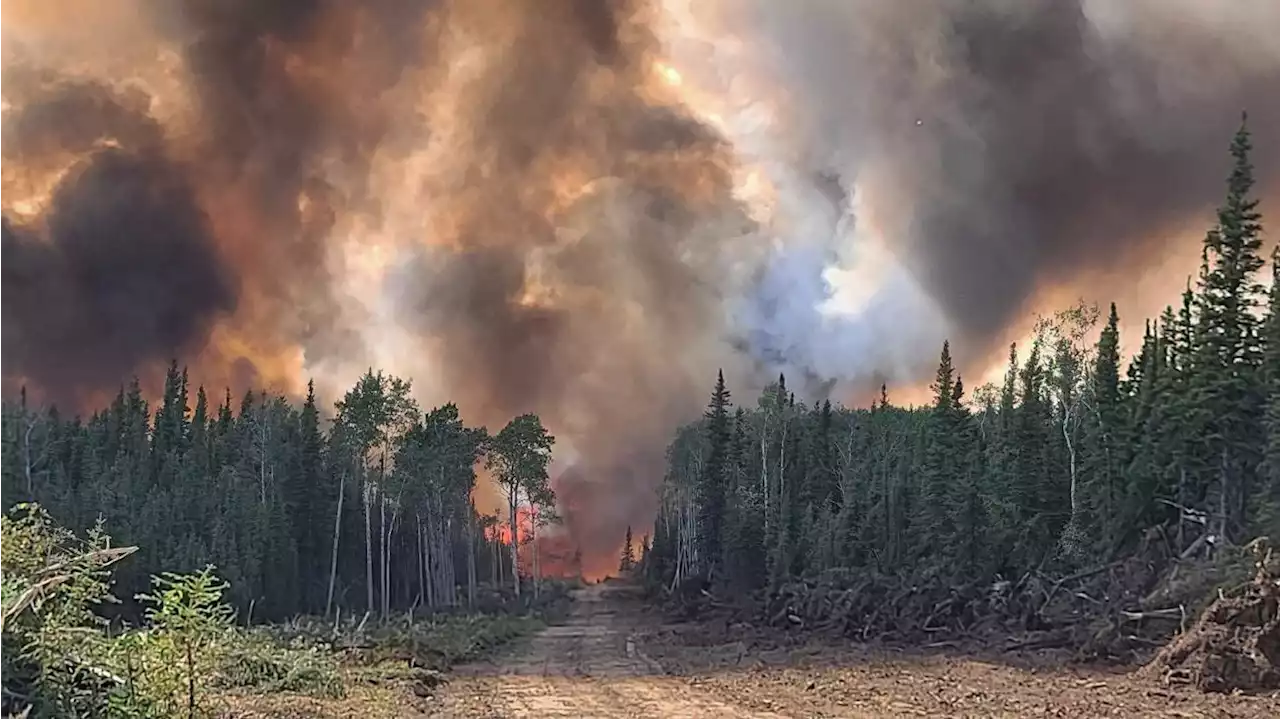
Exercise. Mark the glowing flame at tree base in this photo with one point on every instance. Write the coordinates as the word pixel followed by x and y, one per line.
pixel 558 555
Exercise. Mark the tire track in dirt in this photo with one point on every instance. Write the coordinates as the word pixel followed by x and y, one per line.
pixel 587 667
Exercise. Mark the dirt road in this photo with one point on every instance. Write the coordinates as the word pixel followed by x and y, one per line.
pixel 590 666
pixel 611 660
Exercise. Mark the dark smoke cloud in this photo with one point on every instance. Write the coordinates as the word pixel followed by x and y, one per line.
pixel 122 269
pixel 290 95
pixel 271 126
pixel 123 273
pixel 1079 166
pixel 1014 144
pixel 70 117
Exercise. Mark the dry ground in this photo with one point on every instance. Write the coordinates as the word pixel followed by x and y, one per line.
pixel 612 659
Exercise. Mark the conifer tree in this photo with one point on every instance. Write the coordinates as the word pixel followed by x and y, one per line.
pixel 711 483
pixel 1268 492
pixel 1230 355
pixel 1101 466
pixel 934 512
pixel 628 560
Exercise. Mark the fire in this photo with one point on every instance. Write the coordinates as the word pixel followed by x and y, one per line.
pixel 502 529
pixel 559 555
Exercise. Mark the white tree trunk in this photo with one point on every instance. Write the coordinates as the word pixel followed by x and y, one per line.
pixel 367 500
pixel 337 534
pixel 422 567
pixel 382 553
pixel 262 452
pixel 1071 458
pixel 26 457
pixel 471 555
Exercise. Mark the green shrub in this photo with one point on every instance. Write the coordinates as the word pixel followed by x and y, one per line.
pixel 55 651
pixel 59 660
pixel 258 663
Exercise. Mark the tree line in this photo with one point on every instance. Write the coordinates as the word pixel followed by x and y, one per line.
pixel 1066 463
pixel 369 509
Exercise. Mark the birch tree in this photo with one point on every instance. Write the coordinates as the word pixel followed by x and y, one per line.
pixel 435 473
pixel 519 456
pixel 373 415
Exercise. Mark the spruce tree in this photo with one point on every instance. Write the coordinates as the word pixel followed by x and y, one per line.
pixel 933 511
pixel 628 560
pixel 1101 465
pixel 1230 354
pixel 965 501
pixel 711 483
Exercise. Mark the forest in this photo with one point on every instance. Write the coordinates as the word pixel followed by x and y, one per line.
pixel 371 511
pixel 169 561
pixel 892 520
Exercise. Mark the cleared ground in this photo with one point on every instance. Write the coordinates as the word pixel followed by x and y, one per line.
pixel 590 666
pixel 611 659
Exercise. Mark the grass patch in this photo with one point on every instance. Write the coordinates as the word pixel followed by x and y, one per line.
pixel 308 668
pixel 440 643
pixel 258 662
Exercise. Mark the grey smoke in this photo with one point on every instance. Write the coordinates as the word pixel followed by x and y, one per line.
pixel 1010 145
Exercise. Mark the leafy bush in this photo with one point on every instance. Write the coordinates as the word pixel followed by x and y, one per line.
pixel 55 651
pixel 60 659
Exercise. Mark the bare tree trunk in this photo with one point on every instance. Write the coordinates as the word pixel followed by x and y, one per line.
pixel 1182 490
pixel 441 551
pixel 471 555
pixel 782 461
pixel 422 573
pixel 764 465
pixel 533 546
pixel 1225 499
pixel 495 547
pixel 1071 453
pixel 368 544
pixel 337 534
pixel 428 560
pixel 515 543
pixel 27 462
pixel 450 566
pixel 262 451
pixel 31 460
pixel 382 555
pixel 387 566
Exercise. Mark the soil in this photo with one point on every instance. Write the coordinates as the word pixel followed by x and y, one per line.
pixel 614 658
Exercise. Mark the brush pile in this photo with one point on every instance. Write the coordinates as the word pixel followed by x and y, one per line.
pixel 1235 645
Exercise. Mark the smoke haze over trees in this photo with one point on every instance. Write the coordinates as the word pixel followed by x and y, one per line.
pixel 1079 459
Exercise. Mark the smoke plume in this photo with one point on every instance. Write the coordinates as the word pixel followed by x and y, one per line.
pixel 582 208
pixel 1004 146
